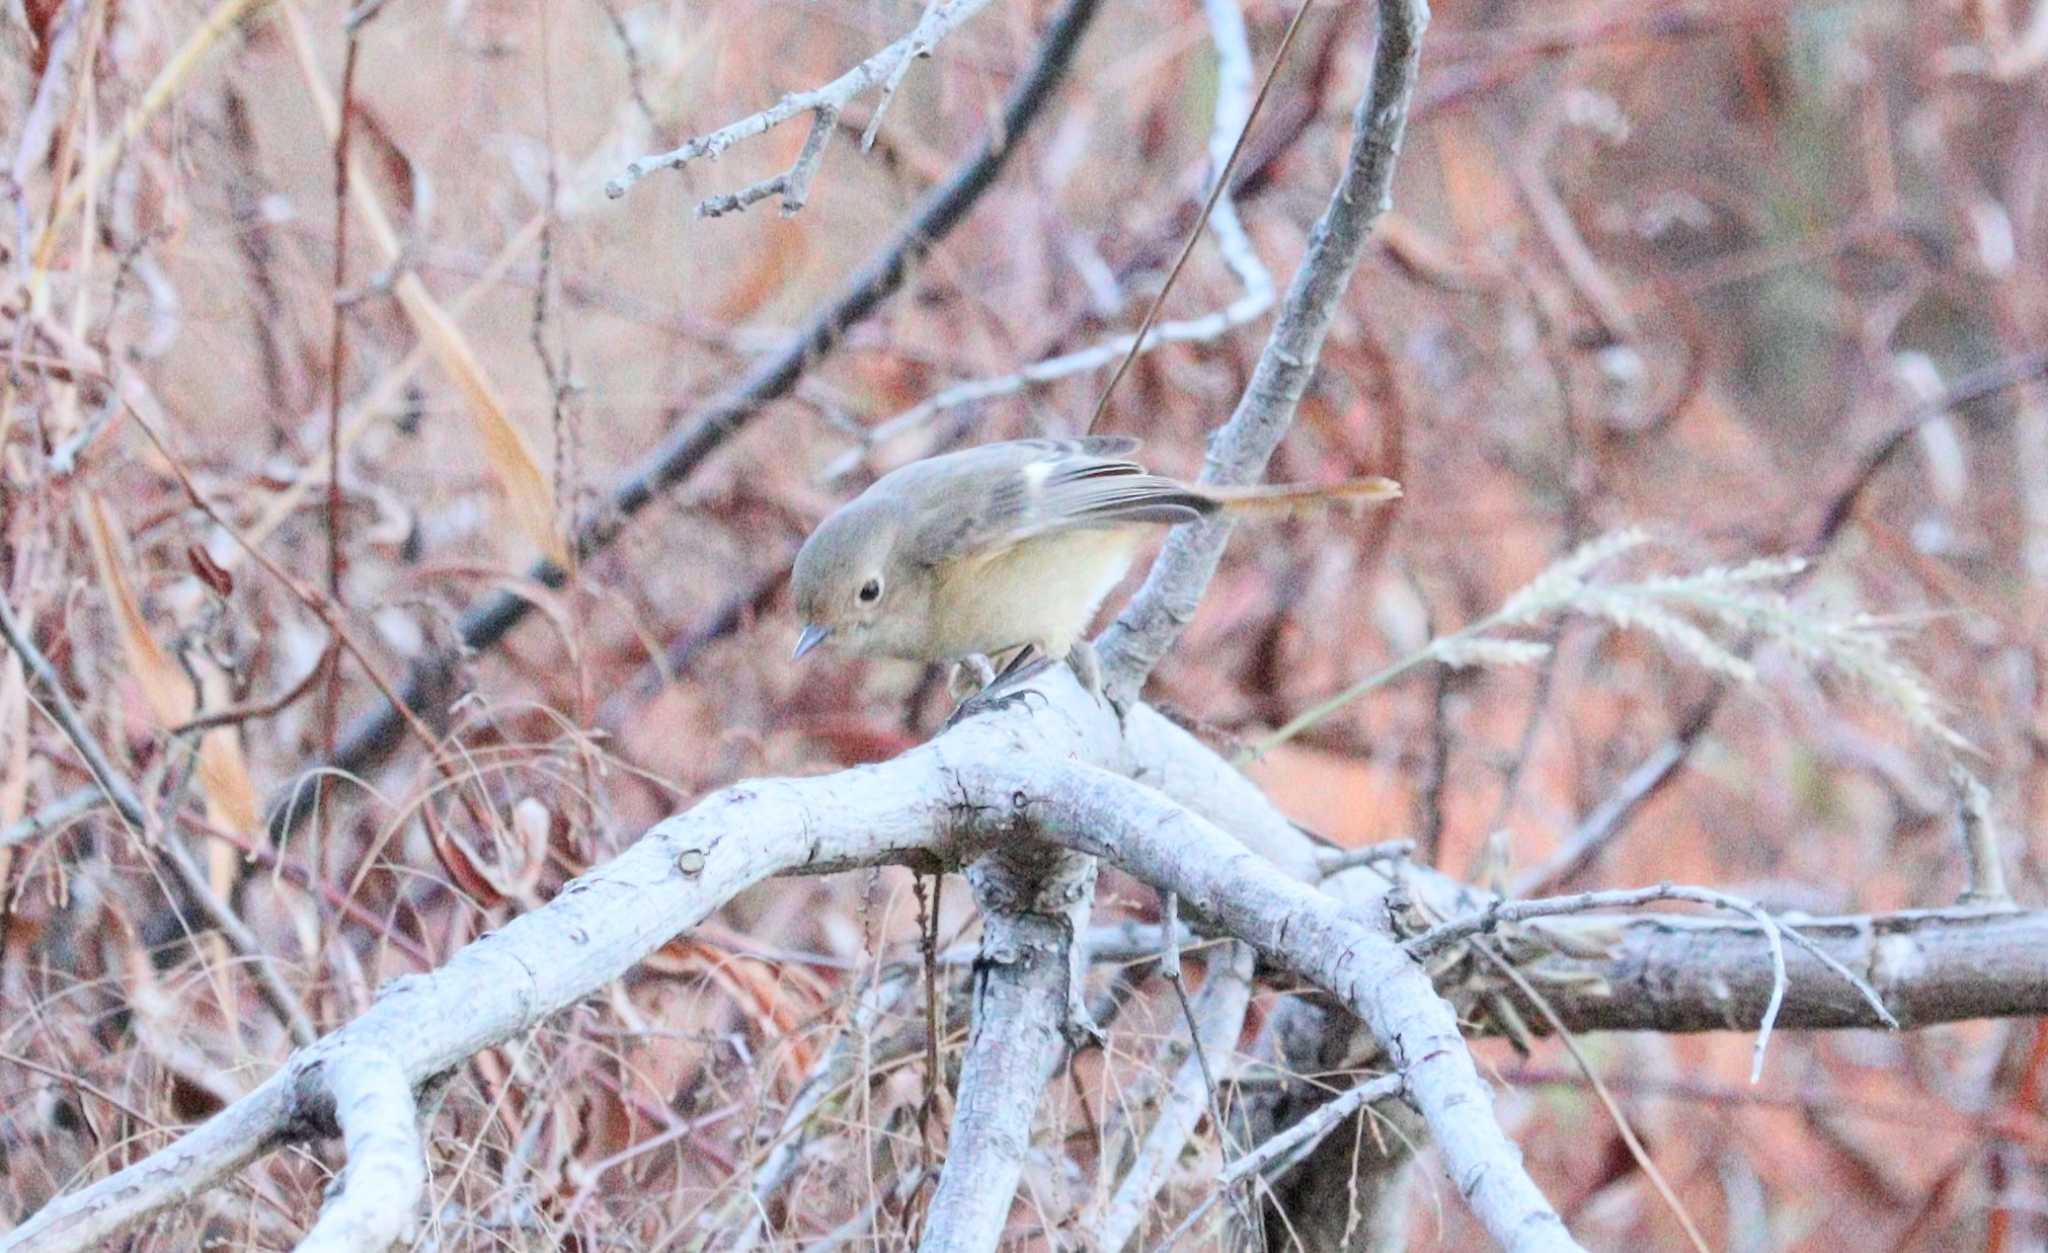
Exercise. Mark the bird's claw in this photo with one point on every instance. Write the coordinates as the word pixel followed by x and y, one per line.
pixel 985 703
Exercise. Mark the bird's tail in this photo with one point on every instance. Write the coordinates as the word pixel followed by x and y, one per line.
pixel 1301 497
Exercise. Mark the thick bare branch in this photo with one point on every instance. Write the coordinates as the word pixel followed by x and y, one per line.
pixel 1630 973
pixel 1093 811
pixel 225 1143
pixel 1665 972
pixel 1027 1001
pixel 377 1202
pixel 1239 450
pixel 903 811
pixel 595 929
pixel 1498 911
pixel 1033 904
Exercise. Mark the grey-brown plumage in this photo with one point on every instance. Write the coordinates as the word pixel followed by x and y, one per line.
pixel 968 555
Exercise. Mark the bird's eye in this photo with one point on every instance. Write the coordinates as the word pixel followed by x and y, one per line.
pixel 870 591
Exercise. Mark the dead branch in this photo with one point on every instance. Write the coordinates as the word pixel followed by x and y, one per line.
pixel 1218 1019
pixel 950 799
pixel 1666 972
pixel 987 782
pixel 1238 452
pixel 378 1198
pixel 885 69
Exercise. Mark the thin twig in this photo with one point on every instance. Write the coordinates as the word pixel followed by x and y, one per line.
pixel 168 843
pixel 1611 816
pixel 253 710
pixel 1277 1154
pixel 1239 450
pixel 1218 1013
pixel 1233 113
pixel 324 609
pixel 1614 1112
pixel 884 68
pixel 1982 852
pixel 55 816
pixel 1335 861
pixel 1219 183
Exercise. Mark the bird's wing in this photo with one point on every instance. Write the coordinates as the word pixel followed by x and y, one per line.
pixel 1004 494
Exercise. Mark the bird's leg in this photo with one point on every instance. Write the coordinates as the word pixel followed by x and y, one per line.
pixel 1023 665
pixel 974 674
pixel 986 701
pixel 1087 668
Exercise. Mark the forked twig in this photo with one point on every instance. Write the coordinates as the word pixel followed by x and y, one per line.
pixel 884 69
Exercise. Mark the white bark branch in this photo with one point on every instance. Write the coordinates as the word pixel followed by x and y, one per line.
pixel 600 924
pixel 1275 1155
pixel 225 1143
pixel 596 928
pixel 1034 900
pixel 1035 905
pixel 376 1201
pixel 1239 450
pixel 885 69
pixel 1653 972
pixel 1147 835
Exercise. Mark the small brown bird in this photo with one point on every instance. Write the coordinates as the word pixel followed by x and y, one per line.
pixel 963 557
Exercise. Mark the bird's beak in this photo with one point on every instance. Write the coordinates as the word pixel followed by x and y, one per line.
pixel 813 636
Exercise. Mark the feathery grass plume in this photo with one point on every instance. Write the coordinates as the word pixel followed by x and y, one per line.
pixel 1461 651
pixel 1678 610
pixel 1555 588
pixel 1630 605
pixel 1858 649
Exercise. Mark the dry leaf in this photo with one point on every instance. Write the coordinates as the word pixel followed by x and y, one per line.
pixel 210 572
pixel 231 802
pixel 511 457
pixel 505 446
pixel 164 684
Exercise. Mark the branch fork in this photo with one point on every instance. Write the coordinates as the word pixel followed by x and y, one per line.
pixel 885 69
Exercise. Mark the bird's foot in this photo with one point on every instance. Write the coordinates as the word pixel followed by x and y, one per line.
pixel 990 697
pixel 972 675
pixel 1087 669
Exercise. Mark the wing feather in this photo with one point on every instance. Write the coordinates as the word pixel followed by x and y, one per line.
pixel 1001 495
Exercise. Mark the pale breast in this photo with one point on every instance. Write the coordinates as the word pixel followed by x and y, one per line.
pixel 1044 591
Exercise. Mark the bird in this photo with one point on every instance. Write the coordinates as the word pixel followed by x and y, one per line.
pixel 1006 548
